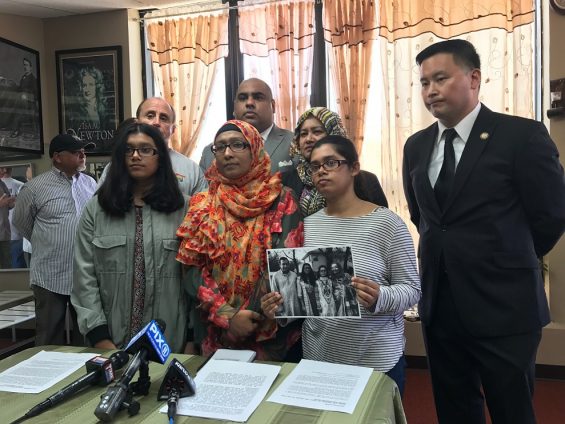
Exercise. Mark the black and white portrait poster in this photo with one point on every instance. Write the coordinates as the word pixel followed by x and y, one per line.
pixel 89 91
pixel 21 128
pixel 314 282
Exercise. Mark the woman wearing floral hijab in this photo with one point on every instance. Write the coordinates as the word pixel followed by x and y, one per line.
pixel 226 232
pixel 313 125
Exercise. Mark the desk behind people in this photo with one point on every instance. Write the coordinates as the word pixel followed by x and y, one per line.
pixel 380 401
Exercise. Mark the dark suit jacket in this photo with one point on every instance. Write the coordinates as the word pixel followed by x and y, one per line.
pixel 277 146
pixel 371 185
pixel 506 209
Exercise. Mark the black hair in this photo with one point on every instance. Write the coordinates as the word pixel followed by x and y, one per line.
pixel 345 148
pixel 464 53
pixel 125 123
pixel 309 278
pixel 320 267
pixel 283 258
pixel 115 195
pixel 25 59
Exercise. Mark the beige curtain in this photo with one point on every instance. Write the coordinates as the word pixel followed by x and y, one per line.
pixel 184 53
pixel 503 34
pixel 283 31
pixel 351 28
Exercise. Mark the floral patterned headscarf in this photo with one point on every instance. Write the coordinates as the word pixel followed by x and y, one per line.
pixel 311 201
pixel 225 232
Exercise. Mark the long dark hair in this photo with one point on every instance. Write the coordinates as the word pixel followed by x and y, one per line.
pixel 308 277
pixel 345 148
pixel 115 195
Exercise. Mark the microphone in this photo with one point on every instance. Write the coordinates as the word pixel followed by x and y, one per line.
pixel 176 384
pixel 148 345
pixel 99 370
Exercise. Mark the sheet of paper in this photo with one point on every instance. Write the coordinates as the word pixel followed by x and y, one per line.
pixel 228 390
pixel 41 371
pixel 239 355
pixel 321 385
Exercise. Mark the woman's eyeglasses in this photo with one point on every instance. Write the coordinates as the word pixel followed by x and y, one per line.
pixel 141 151
pixel 236 146
pixel 328 165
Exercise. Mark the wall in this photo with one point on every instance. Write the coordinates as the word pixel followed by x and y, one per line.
pixel 85 31
pixel 74 32
pixel 121 28
pixel 552 349
pixel 28 32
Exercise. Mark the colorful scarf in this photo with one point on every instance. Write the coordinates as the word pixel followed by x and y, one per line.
pixel 311 201
pixel 225 231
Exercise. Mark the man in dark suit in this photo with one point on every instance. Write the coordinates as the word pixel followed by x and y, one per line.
pixel 254 104
pixel 488 201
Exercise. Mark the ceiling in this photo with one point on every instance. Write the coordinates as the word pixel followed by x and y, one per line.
pixel 57 8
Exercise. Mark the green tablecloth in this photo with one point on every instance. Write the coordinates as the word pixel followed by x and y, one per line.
pixel 380 402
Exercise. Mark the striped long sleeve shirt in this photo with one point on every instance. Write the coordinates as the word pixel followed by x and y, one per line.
pixel 47 212
pixel 383 252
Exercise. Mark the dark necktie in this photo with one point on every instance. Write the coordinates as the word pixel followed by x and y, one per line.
pixel 447 172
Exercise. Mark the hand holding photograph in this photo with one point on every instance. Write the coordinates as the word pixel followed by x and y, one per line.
pixel 313 282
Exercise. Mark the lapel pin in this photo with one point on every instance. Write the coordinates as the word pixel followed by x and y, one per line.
pixel 484 136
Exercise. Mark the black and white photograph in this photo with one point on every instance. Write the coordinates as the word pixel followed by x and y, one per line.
pixel 21 128
pixel 314 282
pixel 89 85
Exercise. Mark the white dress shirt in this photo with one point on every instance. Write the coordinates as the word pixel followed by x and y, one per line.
pixel 265 134
pixel 463 129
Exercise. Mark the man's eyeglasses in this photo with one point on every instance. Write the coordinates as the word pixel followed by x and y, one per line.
pixel 236 146
pixel 141 151
pixel 328 165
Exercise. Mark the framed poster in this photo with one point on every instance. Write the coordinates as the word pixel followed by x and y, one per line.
pixel 89 92
pixel 21 127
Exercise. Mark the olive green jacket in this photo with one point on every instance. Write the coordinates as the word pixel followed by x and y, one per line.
pixel 103 274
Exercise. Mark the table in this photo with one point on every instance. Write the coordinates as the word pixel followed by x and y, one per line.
pixel 380 402
pixel 9 298
pixel 16 307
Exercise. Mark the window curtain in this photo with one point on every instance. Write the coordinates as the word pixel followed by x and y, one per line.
pixel 184 53
pixel 502 32
pixel 283 31
pixel 350 27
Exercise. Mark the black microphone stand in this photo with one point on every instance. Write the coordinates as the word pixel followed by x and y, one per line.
pixel 141 386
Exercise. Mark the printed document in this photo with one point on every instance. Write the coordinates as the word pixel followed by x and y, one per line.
pixel 42 371
pixel 228 390
pixel 321 385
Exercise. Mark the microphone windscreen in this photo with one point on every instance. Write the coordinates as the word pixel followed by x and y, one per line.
pixel 151 340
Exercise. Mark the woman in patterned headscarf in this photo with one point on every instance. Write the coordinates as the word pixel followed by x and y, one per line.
pixel 314 124
pixel 226 232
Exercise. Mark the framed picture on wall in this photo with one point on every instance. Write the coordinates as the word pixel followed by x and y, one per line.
pixel 21 127
pixel 89 92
